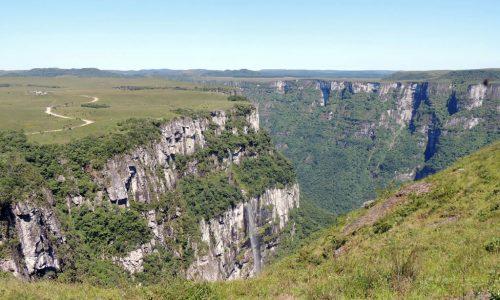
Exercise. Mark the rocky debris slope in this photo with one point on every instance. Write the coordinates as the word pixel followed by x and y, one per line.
pixel 379 210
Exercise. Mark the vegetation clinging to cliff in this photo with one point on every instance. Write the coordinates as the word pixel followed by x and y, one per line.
pixel 96 231
pixel 265 171
pixel 209 196
pixel 111 230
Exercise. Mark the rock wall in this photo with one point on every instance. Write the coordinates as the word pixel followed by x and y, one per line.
pixel 408 96
pixel 238 242
pixel 39 233
pixel 397 129
pixel 147 172
pixel 324 87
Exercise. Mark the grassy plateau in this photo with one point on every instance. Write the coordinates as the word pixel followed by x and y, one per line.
pixel 24 100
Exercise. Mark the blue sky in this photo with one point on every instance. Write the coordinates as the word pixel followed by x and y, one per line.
pixel 253 34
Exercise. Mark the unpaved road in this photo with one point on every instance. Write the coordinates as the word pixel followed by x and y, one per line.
pixel 48 110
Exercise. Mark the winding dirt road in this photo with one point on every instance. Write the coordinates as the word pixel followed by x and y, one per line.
pixel 48 110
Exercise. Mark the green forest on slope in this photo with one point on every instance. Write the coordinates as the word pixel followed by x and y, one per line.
pixel 436 238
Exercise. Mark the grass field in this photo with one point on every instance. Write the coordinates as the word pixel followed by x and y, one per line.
pixel 22 109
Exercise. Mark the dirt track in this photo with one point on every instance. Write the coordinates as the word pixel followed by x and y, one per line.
pixel 48 110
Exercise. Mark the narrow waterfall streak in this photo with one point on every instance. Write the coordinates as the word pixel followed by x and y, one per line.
pixel 254 239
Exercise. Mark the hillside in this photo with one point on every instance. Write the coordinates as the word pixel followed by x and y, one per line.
pixel 348 139
pixel 436 238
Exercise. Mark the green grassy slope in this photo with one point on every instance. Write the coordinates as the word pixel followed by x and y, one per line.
pixel 436 238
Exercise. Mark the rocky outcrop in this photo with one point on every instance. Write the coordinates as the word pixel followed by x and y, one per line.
pixel 465 123
pixel 365 87
pixel 133 261
pixel 281 86
pixel 10 266
pixel 494 91
pixel 253 121
pixel 39 232
pixel 149 171
pixel 324 87
pixel 238 242
pixel 476 94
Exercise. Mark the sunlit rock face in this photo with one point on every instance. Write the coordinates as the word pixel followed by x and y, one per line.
pixel 239 242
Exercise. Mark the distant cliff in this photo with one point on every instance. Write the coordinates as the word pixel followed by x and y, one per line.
pixel 348 138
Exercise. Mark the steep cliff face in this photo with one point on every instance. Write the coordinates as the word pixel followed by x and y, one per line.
pixel 281 86
pixel 35 227
pixel 147 172
pixel 476 93
pixel 242 239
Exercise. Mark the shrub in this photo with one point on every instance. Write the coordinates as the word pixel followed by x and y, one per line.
pixel 111 230
pixel 381 227
pixel 237 98
pixel 493 245
pixel 95 105
pixel 263 172
pixel 208 197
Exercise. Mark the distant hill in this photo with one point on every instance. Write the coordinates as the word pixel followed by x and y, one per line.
pixel 266 73
pixel 479 74
pixel 460 75
pixel 195 73
pixel 54 72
